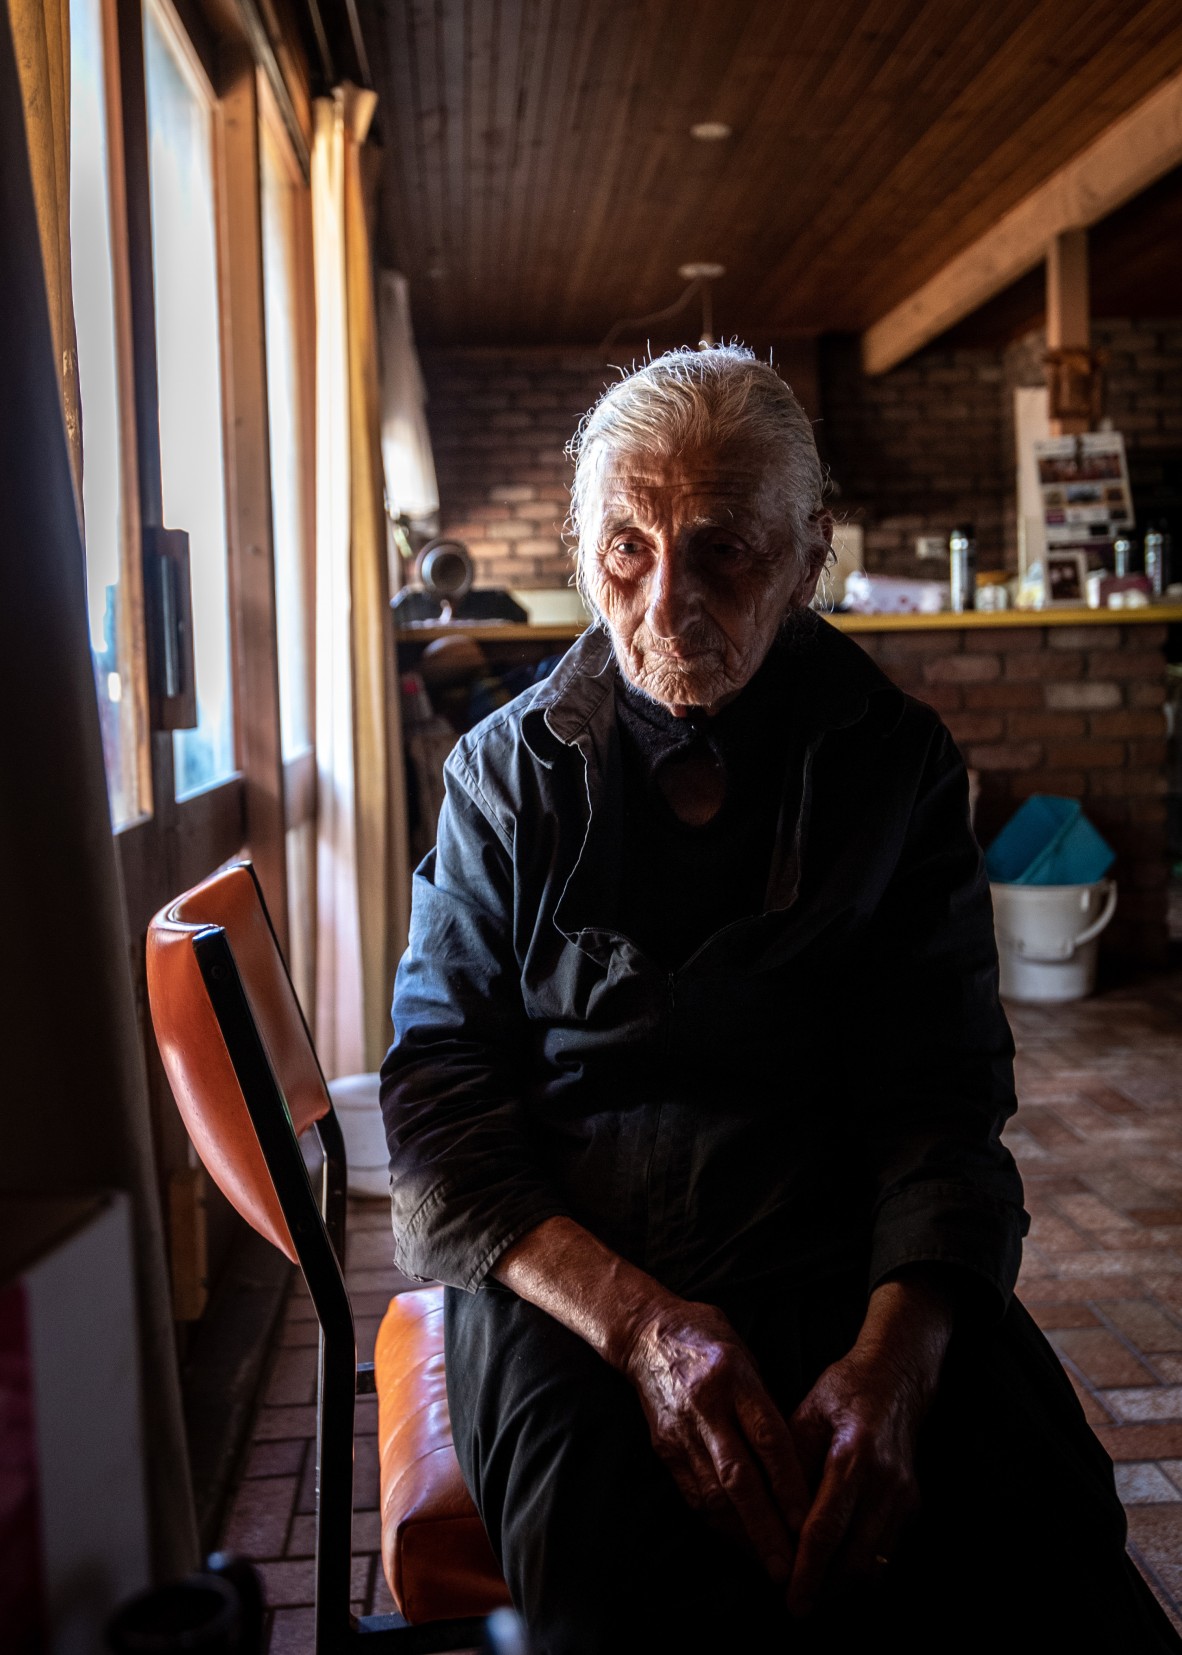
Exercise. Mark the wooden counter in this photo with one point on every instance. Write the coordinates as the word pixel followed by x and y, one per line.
pixel 426 632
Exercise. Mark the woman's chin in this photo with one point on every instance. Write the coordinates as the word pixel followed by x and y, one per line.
pixel 682 687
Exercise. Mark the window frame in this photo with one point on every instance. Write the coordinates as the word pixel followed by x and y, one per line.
pixel 182 841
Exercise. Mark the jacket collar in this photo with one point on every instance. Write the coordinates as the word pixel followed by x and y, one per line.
pixel 835 679
pixel 832 684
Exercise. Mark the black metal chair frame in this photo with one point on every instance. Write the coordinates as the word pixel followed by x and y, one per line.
pixel 317 1229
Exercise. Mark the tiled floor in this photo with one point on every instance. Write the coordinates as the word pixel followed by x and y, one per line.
pixel 1099 1140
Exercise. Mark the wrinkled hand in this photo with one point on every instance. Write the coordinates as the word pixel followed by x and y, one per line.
pixel 856 1434
pixel 717 1430
pixel 857 1429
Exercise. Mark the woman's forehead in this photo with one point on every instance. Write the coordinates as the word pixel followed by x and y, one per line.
pixel 735 480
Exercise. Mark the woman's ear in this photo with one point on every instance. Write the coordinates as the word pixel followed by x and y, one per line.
pixel 820 552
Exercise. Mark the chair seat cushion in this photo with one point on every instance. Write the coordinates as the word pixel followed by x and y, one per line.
pixel 436 1555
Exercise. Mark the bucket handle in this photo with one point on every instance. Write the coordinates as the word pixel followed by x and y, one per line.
pixel 1089 935
pixel 1106 913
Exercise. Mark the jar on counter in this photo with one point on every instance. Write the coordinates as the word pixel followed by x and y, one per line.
pixel 962 567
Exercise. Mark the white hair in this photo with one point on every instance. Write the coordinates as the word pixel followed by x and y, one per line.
pixel 687 399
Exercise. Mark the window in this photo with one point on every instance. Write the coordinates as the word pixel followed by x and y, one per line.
pixel 188 345
pixel 111 571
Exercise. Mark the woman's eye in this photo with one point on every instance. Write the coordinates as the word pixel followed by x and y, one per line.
pixel 627 548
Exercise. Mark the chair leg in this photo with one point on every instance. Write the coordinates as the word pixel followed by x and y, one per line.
pixel 334 1497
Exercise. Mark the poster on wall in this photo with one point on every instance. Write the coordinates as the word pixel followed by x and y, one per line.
pixel 1084 485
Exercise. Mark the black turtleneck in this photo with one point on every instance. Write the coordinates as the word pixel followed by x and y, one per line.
pixel 682 883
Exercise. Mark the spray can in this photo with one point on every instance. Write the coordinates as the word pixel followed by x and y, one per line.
pixel 1155 559
pixel 962 567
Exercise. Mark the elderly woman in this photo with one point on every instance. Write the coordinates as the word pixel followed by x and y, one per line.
pixel 696 1099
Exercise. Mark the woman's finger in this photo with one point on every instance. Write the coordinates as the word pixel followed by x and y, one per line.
pixel 740 1478
pixel 824 1533
pixel 771 1442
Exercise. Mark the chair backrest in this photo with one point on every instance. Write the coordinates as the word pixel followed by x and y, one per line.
pixel 196 1059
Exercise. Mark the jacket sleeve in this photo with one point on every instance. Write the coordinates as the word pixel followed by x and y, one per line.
pixel 463 1184
pixel 934 1069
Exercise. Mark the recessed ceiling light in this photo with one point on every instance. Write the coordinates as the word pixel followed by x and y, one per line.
pixel 701 272
pixel 710 132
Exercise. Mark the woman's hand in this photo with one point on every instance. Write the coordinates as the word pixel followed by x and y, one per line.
pixel 711 1420
pixel 856 1433
pixel 715 1427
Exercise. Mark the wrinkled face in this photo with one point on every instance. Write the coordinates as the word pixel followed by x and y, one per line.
pixel 690 563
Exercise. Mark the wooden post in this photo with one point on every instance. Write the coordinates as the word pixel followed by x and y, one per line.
pixel 1068 309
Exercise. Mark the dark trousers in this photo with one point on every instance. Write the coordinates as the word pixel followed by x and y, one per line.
pixel 1019 1546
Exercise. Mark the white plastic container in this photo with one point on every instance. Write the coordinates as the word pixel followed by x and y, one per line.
pixel 1048 938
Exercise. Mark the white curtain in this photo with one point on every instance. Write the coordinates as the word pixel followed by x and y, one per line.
pixel 409 465
pixel 362 860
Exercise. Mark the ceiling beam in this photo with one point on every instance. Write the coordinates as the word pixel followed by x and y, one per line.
pixel 1125 159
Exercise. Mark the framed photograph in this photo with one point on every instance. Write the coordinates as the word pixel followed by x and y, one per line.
pixel 1065 579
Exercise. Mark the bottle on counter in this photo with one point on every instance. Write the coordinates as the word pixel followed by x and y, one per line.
pixel 1155 562
pixel 962 567
pixel 1122 555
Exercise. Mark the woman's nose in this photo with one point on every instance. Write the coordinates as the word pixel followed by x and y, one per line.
pixel 672 597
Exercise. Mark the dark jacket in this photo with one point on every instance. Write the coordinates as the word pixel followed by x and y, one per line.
pixel 821 1085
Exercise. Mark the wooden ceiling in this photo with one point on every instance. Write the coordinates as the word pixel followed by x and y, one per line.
pixel 540 182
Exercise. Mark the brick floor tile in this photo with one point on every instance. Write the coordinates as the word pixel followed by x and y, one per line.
pixel 388 1281
pixel 366 1329
pixel 373 1249
pixel 1100 1264
pixel 365 1416
pixel 365 1474
pixel 1100 1356
pixel 301 1539
pixel 294 1334
pixel 1144 1483
pixel 1156 1215
pixel 370 1303
pixel 1094 1410
pixel 1112 1101
pixel 284 1422
pixel 1089 1212
pixel 1156 1532
pixel 1053 1234
pixel 1143 1403
pixel 289 1584
pixel 369 1215
pixel 306 1499
pixel 383 1603
pixel 1050 1316
pixel 257 1525
pixel 1168 1367
pixel 1047 1129
pixel 1173 1470
pixel 1148 1327
pixel 293 1632
pixel 293 1378
pixel 292 1581
pixel 276 1459
pixel 367 1534
pixel 1141 1442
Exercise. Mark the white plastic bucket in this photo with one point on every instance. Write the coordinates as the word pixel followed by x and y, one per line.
pixel 1048 938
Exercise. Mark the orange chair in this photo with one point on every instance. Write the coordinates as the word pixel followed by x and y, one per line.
pixel 247 1082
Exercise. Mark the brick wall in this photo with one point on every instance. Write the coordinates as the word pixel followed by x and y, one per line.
pixel 932 442
pixel 1071 710
pixel 499 423
pixel 914 451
